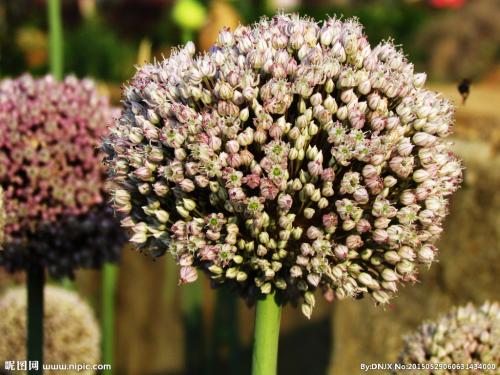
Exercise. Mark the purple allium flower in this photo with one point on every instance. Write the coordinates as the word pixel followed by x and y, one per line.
pixel 52 175
pixel 306 154
pixel 467 335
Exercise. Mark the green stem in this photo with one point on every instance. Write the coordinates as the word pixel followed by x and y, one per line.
pixel 55 38
pixel 193 326
pixel 109 277
pixel 266 336
pixel 225 333
pixel 187 35
pixel 36 281
pixel 170 279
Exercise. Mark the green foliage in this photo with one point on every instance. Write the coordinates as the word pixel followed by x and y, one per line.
pixel 189 14
pixel 95 50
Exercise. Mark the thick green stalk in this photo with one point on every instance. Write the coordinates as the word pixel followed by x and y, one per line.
pixel 109 277
pixel 193 327
pixel 36 281
pixel 187 35
pixel 55 38
pixel 266 336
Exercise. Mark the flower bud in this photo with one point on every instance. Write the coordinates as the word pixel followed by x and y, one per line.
pixel 189 204
pixel 309 213
pixel 297 233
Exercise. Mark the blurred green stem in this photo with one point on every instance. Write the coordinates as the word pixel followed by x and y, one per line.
pixel 225 333
pixel 193 327
pixel 266 336
pixel 170 279
pixel 55 38
pixel 187 35
pixel 109 276
pixel 36 281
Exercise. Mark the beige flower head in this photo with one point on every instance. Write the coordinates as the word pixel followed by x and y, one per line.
pixel 467 335
pixel 71 332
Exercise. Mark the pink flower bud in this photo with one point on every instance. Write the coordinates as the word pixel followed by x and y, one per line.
pixel 426 254
pixel 370 171
pixel 361 195
pixel 232 146
pixel 285 202
pixel 328 174
pixel 187 185
pixel 188 275
pixel 354 241
pixel 313 233
pixel 340 251
pixel 143 173
pixel 407 198
pixel 268 189
pixel 424 139
pixel 315 167
pixel 363 226
pixel 380 235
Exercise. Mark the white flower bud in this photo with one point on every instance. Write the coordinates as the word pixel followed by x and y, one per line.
pixel 420 175
pixel 323 203
pixel 189 204
pixel 297 233
pixel 309 213
pixel 162 216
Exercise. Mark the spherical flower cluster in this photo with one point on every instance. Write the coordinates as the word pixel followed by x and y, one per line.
pixel 52 174
pixel 290 157
pixel 71 332
pixel 466 335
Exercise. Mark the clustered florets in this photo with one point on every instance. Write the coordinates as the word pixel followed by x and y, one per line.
pixel 71 332
pixel 466 335
pixel 292 156
pixel 52 174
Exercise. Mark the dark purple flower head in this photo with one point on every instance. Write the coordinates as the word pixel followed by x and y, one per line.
pixel 50 167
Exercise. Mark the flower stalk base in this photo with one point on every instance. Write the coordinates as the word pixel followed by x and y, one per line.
pixel 36 281
pixel 109 277
pixel 266 336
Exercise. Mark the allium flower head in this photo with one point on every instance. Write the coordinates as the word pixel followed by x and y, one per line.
pixel 291 157
pixel 466 335
pixel 71 332
pixel 52 175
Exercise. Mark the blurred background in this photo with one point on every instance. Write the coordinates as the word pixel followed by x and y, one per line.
pixel 158 331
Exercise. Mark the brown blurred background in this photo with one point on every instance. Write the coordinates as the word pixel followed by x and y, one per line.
pixel 449 39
